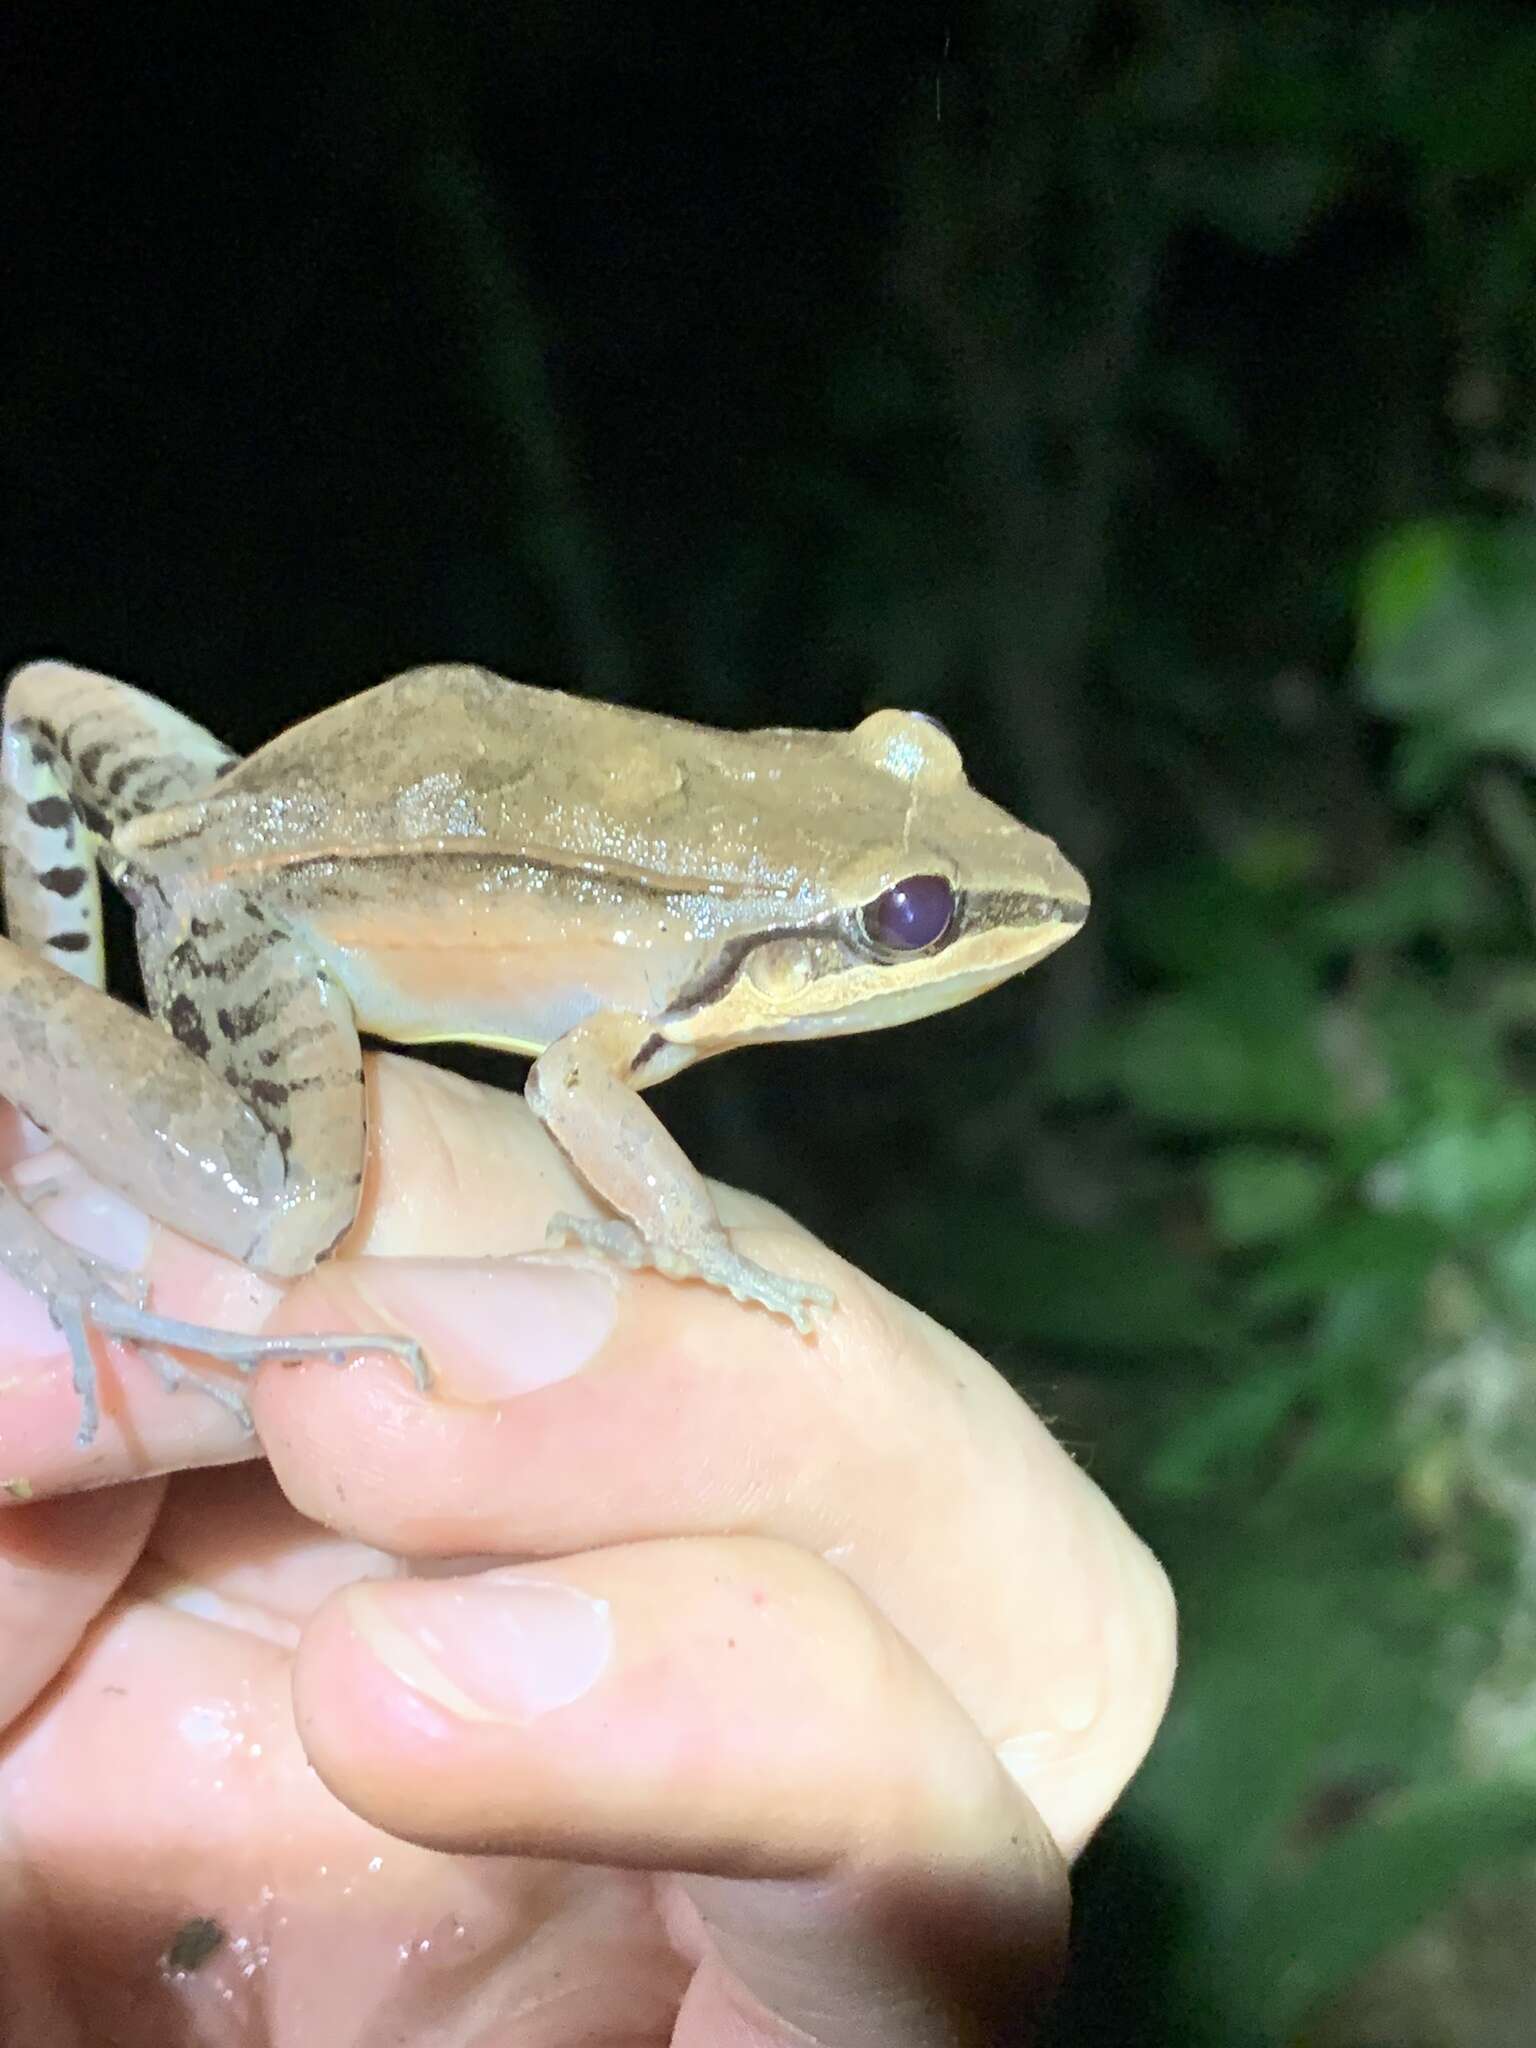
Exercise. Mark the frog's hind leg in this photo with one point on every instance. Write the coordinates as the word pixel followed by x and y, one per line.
pixel 238 1115
pixel 191 1125
pixel 81 754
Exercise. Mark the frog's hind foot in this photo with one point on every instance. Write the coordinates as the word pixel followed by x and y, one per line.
pixel 717 1265
pixel 158 1335
pixel 76 1318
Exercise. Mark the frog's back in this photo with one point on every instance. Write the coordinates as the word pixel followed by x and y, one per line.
pixel 451 721
pixel 456 757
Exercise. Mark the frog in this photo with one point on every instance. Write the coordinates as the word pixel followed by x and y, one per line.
pixel 453 856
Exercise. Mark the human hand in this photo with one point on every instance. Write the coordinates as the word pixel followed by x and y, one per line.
pixel 783 1678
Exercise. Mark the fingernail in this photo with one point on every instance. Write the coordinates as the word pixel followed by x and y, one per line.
pixel 494 1329
pixel 500 1647
pixel 91 1218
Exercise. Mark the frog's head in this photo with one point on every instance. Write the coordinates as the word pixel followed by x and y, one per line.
pixel 934 895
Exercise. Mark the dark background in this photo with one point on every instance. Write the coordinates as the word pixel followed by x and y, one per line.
pixel 1146 390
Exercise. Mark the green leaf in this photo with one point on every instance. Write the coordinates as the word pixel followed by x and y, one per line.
pixel 1430 889
pixel 1405 576
pixel 1234 925
pixel 1107 1292
pixel 1448 633
pixel 1259 1194
pixel 1512 1268
pixel 1356 1247
pixel 1460 92
pixel 1226 1432
pixel 1464 1169
pixel 1198 1067
pixel 1371 1886
pixel 1300 1793
pixel 1428 763
pixel 1267 200
pixel 1375 1322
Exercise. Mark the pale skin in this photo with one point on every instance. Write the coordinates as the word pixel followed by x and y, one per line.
pixel 837 1625
pixel 453 855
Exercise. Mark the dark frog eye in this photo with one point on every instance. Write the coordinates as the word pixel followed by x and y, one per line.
pixel 911 915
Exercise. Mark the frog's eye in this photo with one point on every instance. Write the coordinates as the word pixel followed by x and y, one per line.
pixel 911 915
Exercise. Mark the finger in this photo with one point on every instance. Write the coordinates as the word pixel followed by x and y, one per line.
pixel 144 1428
pixel 164 1791
pixel 722 1706
pixel 455 1170
pixel 580 1407
pixel 901 1958
pixel 60 1562
pixel 254 1563
pixel 452 1167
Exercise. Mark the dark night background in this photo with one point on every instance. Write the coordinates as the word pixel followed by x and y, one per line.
pixel 1146 390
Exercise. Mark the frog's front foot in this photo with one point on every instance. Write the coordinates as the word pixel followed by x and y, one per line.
pixel 717 1265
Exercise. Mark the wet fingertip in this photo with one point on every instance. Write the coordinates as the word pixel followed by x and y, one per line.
pixel 504 1646
pixel 93 1219
pixel 489 1329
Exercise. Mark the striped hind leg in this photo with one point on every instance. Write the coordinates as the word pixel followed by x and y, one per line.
pixel 81 754
pixel 266 1161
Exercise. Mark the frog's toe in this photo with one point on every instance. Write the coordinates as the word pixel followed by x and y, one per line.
pixel 795 1300
pixel 173 1376
pixel 716 1265
pixel 155 1334
pixel 610 1238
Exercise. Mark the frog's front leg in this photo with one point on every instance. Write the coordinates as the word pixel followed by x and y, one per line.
pixel 580 1090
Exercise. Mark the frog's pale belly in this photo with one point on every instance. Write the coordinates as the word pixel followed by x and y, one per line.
pixel 518 970
pixel 523 999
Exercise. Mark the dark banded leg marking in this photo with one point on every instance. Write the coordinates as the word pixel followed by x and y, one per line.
pixel 52 894
pixel 79 755
pixel 265 1097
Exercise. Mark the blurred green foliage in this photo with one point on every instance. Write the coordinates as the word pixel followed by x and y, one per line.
pixel 1147 388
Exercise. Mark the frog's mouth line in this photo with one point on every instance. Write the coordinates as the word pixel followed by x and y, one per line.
pixel 999 935
pixel 987 911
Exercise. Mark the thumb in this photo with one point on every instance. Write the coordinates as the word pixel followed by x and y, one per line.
pixel 920 1954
